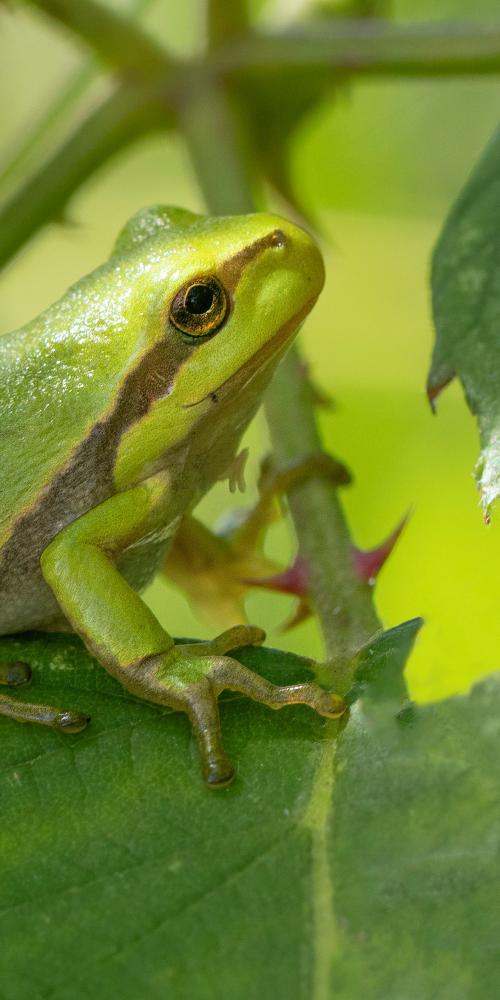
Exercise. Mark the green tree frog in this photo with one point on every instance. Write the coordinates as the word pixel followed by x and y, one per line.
pixel 120 406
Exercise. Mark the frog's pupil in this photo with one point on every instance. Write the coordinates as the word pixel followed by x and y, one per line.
pixel 199 299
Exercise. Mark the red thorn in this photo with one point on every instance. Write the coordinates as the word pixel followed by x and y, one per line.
pixel 302 612
pixel 294 580
pixel 434 389
pixel 368 564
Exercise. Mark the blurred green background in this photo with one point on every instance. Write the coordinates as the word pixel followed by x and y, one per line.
pixel 379 165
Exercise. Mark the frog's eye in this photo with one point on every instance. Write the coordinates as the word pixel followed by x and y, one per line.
pixel 200 307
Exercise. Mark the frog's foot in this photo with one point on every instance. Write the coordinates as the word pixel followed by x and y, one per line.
pixel 216 569
pixel 190 678
pixel 315 464
pixel 16 674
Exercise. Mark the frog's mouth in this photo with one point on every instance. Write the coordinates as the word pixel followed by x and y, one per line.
pixel 259 361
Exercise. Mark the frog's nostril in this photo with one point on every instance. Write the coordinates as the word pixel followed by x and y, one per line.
pixel 277 238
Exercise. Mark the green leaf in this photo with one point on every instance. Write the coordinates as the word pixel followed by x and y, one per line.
pixel 363 867
pixel 380 664
pixel 415 848
pixel 273 111
pixel 466 300
pixel 66 101
pixel 114 35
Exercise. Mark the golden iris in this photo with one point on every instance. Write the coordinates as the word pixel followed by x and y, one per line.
pixel 200 307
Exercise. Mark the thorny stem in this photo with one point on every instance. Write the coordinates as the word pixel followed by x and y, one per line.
pixel 344 605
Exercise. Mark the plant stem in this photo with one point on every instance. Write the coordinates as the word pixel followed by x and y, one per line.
pixel 343 603
pixel 118 121
pixel 344 606
pixel 226 20
pixel 209 124
pixel 368 47
pixel 115 37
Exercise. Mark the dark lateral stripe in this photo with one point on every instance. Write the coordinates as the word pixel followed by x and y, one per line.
pixel 87 477
pixel 232 269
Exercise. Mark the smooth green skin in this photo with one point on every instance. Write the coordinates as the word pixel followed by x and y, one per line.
pixel 114 425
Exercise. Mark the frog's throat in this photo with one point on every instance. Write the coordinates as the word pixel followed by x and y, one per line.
pixel 273 347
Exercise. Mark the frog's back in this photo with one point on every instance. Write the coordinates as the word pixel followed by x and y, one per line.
pixel 60 420
pixel 58 378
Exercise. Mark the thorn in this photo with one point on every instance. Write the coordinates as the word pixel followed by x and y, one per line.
pixel 62 218
pixel 317 395
pixel 435 388
pixel 294 580
pixel 369 563
pixel 302 612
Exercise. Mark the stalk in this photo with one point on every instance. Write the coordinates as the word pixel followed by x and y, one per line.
pixel 208 119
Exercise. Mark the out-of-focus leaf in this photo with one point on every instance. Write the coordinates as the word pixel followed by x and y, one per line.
pixel 116 122
pixel 349 8
pixel 367 866
pixel 226 21
pixel 274 106
pixel 67 100
pixel 466 300
pixel 113 34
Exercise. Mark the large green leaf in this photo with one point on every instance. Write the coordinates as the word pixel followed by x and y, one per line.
pixel 415 850
pixel 466 298
pixel 363 868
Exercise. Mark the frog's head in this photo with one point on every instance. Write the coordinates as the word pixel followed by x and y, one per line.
pixel 224 296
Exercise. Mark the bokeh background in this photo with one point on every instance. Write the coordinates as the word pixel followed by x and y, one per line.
pixel 379 165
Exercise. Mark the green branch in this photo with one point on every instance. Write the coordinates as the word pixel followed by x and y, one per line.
pixel 215 137
pixel 343 603
pixel 368 47
pixel 226 20
pixel 65 101
pixel 116 38
pixel 118 121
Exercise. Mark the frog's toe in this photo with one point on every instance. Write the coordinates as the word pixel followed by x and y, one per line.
pixel 224 673
pixel 64 720
pixel 228 674
pixel 15 673
pixel 236 638
pixel 203 712
pixel 190 677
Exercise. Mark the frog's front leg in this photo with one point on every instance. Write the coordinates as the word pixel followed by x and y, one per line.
pixel 121 631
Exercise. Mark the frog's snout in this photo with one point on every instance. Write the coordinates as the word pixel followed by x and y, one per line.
pixel 301 253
